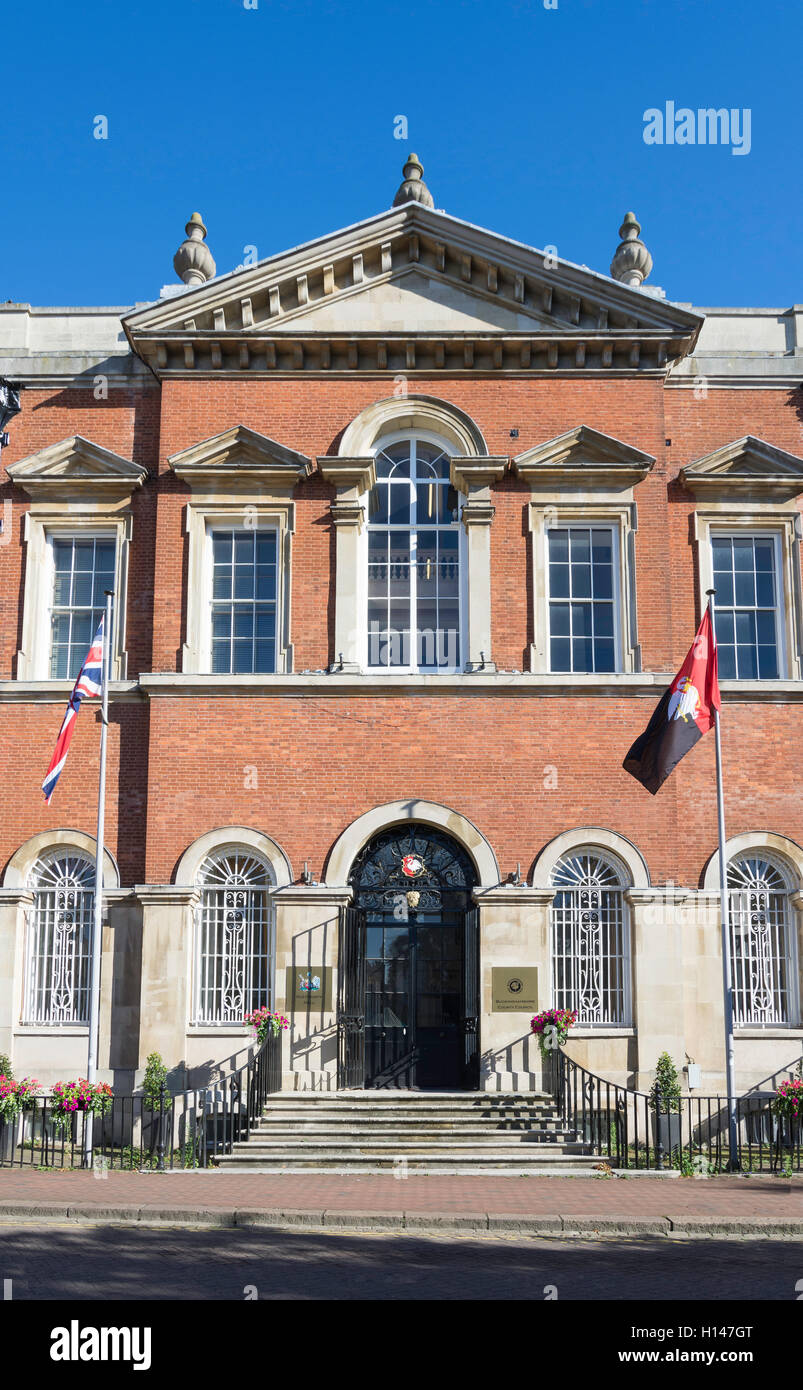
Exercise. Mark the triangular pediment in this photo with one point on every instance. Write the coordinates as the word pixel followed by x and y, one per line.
pixel 76 465
pixel 411 288
pixel 743 466
pixel 240 454
pixel 584 455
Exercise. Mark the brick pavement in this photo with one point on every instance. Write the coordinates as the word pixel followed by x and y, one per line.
pixel 722 1205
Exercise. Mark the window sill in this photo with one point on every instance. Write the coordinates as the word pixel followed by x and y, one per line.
pixel 214 1030
pixel 777 1031
pixel 50 1030
pixel 605 1030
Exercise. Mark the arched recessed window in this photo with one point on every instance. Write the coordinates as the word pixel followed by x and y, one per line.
pixel 762 942
pixel 414 560
pixel 59 935
pixel 234 937
pixel 590 945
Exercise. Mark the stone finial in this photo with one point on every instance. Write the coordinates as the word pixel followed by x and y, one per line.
pixel 193 261
pixel 413 189
pixel 632 261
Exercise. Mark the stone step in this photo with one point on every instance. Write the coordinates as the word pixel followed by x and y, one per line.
pixel 423 1099
pixel 309 1129
pixel 424 1113
pixel 524 1160
pixel 397 1117
pixel 347 1145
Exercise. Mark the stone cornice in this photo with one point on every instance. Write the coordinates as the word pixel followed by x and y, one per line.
pixel 746 465
pixel 291 285
pixel 243 456
pixel 586 456
pixel 470 475
pixel 351 476
pixel 512 894
pixel 456 354
pixel 323 684
pixel 309 894
pixel 75 469
pixel 166 894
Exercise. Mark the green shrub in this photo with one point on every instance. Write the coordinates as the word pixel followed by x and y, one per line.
pixel 155 1078
pixel 666 1085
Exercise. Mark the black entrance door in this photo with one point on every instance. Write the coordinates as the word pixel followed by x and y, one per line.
pixel 413 986
pixel 419 967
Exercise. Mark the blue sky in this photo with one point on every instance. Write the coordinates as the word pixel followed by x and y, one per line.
pixel 277 124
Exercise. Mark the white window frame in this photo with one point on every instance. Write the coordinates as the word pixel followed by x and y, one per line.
pixel 33 660
pixel 613 532
pixel 753 533
pixel 620 519
pixel 624 883
pixel 435 441
pixel 249 514
pixel 784 524
pixel 208 574
pixel 100 534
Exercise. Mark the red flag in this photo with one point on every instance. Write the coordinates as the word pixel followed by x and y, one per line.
pixel 684 713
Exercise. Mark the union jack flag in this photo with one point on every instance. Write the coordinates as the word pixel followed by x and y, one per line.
pixel 89 683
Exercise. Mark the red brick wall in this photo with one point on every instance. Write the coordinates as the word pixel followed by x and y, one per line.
pixel 127 423
pixel 176 770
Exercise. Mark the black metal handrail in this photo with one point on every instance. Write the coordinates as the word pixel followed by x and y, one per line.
pixel 185 1129
pixel 639 1129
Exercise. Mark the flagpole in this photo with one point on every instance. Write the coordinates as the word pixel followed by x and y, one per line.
pixel 727 965
pixel 97 919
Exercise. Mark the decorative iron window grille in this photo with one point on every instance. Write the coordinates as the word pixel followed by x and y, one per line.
pixel 444 882
pixel 590 945
pixel 762 948
pixel 414 598
pixel 59 940
pixel 233 938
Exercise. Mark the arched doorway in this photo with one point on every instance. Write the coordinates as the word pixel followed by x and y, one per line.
pixel 410 964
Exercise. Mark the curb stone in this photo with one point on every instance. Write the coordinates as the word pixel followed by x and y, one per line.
pixel 566 1225
pixel 284 1216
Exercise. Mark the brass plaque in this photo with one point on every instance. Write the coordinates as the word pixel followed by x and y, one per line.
pixel 308 987
pixel 514 989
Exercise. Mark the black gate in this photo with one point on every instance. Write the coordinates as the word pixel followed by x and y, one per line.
pixel 351 998
pixel 471 999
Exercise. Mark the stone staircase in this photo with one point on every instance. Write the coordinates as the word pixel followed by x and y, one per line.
pixel 429 1132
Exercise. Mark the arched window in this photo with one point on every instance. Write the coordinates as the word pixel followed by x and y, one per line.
pixel 762 946
pixel 234 937
pixel 590 946
pixel 59 936
pixel 414 560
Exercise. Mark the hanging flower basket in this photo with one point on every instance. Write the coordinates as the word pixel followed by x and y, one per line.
pixel 788 1099
pixel 266 1024
pixel 16 1096
pixel 71 1097
pixel 551 1028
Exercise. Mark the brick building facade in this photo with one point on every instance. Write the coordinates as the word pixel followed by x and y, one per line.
pixel 412 425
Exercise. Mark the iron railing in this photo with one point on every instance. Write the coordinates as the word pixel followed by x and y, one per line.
pixel 636 1129
pixel 185 1129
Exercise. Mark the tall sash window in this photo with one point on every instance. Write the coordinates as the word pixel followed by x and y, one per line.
pixel 414 565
